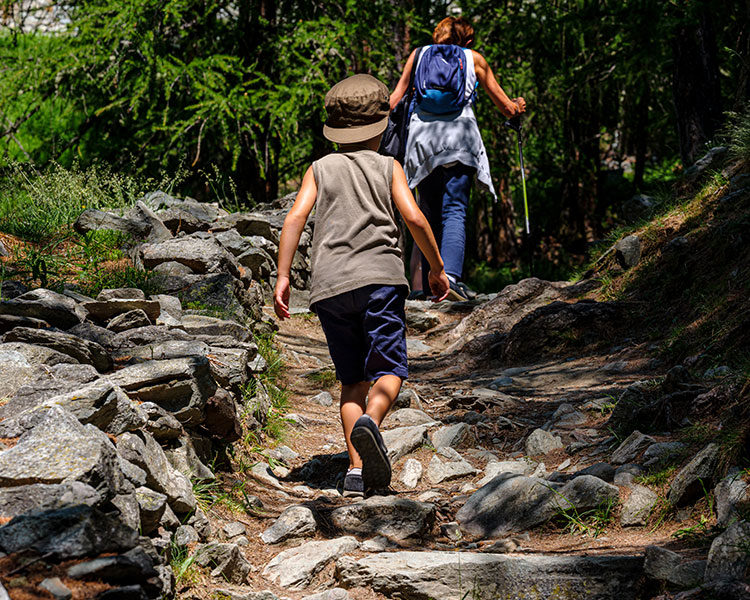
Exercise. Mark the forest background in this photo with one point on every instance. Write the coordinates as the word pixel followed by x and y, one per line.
pixel 225 97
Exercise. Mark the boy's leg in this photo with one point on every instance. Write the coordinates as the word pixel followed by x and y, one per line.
pixel 352 407
pixel 382 396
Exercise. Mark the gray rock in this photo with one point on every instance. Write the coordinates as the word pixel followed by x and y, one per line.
pixel 164 351
pixel 94 333
pixel 294 522
pixel 82 351
pixel 185 535
pixel 144 336
pixel 332 594
pixel 233 529
pixel 637 207
pixel 116 308
pixel 184 458
pixel 439 471
pixel 133 474
pixel 172 268
pixel 637 508
pixel 403 440
pixel 407 398
pixel 10 289
pixel 181 386
pixel 226 561
pixel 120 294
pixel 664 565
pixel 571 420
pixel 390 516
pixel 199 521
pixel 728 557
pixel 409 417
pixel 411 473
pixel 55 309
pixel 68 532
pixel 57 588
pixel 203 325
pixel 144 451
pixel 420 319
pixel 459 575
pixel 258 261
pixel 234 595
pixel 451 435
pixel 200 255
pixel 514 503
pixel 513 467
pixel 661 451
pixel 8 322
pixel 134 565
pixel 262 472
pixel 129 513
pixel 732 498
pixel 162 425
pixel 129 320
pixel 41 496
pixel 696 477
pixel 602 470
pixel 631 447
pixel 628 251
pixel 100 403
pixel 323 398
pixel 251 224
pixel 151 506
pixel 542 442
pixel 295 568
pixel 59 448
pixel 170 310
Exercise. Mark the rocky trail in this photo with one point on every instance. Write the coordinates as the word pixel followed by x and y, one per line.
pixel 151 446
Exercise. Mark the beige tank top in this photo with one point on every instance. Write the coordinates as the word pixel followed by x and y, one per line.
pixel 355 240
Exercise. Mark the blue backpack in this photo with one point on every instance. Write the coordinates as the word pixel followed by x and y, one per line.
pixel 440 80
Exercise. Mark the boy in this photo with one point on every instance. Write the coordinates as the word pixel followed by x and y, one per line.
pixel 358 286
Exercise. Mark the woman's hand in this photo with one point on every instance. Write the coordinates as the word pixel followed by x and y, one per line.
pixel 521 104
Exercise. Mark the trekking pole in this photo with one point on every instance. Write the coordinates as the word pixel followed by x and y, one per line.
pixel 516 125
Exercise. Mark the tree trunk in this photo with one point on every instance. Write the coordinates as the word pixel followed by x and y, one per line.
pixel 695 89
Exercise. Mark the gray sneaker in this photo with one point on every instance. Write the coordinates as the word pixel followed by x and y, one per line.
pixel 354 487
pixel 376 468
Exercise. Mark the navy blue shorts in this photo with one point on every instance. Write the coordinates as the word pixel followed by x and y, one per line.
pixel 366 332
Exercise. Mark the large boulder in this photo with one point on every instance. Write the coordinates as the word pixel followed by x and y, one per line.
pixel 696 478
pixel 294 522
pixel 560 326
pixel 460 575
pixel 83 351
pixel 389 516
pixel 55 309
pixel 201 255
pixel 181 386
pixel 61 449
pixel 65 533
pixel 144 451
pixel 43 496
pixel 295 568
pixel 515 502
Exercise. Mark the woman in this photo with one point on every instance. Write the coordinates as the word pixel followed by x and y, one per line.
pixel 445 151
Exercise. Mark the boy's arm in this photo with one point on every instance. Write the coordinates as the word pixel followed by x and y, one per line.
pixel 510 108
pixel 290 234
pixel 420 230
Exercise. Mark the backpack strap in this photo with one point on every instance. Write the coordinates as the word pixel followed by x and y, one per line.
pixel 417 52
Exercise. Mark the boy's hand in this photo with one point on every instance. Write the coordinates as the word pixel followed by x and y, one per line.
pixel 281 298
pixel 439 284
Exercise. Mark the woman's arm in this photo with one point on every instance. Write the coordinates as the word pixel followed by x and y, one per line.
pixel 510 108
pixel 403 83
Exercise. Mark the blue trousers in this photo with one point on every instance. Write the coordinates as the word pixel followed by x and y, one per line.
pixel 444 199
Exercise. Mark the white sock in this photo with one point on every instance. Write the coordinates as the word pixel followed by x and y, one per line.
pixel 451 278
pixel 354 471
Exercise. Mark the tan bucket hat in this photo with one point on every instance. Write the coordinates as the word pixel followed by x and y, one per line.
pixel 357 108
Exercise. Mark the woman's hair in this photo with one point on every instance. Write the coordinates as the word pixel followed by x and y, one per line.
pixel 443 33
pixel 453 30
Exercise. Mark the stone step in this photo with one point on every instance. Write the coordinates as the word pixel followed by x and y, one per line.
pixel 476 576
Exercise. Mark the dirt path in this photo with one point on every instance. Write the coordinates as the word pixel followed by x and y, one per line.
pixel 501 405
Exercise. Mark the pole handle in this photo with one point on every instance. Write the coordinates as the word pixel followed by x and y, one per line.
pixel 514 124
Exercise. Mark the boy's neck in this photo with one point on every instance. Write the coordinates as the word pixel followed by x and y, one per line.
pixel 372 144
